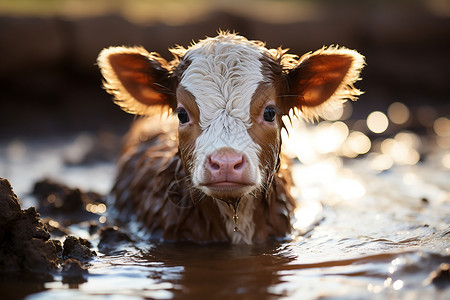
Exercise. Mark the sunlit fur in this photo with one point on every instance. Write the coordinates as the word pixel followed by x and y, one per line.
pixel 113 85
pixel 345 91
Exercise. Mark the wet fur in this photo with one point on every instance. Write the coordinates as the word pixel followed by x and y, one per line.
pixel 152 186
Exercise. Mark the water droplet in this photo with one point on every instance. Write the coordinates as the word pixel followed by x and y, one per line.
pixel 235 216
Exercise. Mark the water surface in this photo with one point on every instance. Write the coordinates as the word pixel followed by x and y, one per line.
pixel 360 233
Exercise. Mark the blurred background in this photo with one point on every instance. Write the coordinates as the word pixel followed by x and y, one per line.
pixel 48 48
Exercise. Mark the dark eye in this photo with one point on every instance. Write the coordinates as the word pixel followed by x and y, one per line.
pixel 269 114
pixel 183 115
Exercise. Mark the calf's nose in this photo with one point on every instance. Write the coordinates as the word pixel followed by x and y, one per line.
pixel 226 165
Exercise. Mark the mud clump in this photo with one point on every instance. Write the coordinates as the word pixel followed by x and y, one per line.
pixel 58 199
pixel 112 239
pixel 25 243
pixel 78 248
pixel 55 228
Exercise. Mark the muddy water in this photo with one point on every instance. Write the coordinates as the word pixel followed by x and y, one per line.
pixel 359 234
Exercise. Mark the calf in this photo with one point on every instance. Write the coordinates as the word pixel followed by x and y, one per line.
pixel 217 177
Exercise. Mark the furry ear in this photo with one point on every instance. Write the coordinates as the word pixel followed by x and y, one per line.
pixel 138 80
pixel 322 80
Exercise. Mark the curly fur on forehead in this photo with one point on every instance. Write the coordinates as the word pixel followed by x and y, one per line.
pixel 182 55
pixel 222 75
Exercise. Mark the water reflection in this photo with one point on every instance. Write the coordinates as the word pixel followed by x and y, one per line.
pixel 220 270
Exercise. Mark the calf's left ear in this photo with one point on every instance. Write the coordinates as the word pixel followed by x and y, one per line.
pixel 322 80
pixel 140 81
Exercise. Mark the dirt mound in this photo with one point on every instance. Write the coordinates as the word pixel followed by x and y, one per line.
pixel 25 243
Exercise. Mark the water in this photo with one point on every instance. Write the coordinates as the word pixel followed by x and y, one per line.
pixel 360 233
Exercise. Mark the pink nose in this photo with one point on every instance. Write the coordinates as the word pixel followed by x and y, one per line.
pixel 226 165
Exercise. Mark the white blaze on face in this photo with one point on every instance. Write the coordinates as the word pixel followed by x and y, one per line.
pixel 223 75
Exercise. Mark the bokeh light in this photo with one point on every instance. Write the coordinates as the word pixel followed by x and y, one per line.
pixel 441 127
pixel 16 150
pixel 426 115
pixel 409 139
pixel 380 162
pixel 398 284
pixel 329 136
pixel 96 209
pixel 349 189
pixel 446 160
pixel 400 151
pixel 356 144
pixel 377 122
pixel 334 114
pixel 398 113
pixel 443 142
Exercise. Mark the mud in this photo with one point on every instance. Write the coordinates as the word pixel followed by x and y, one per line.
pixel 78 248
pixel 25 243
pixel 73 272
pixel 55 228
pixel 114 240
pixel 67 205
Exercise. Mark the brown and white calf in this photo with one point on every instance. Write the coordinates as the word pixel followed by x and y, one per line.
pixel 217 177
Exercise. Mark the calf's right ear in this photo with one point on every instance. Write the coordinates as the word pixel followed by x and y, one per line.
pixel 140 82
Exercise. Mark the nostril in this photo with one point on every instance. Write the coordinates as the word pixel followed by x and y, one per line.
pixel 239 163
pixel 213 165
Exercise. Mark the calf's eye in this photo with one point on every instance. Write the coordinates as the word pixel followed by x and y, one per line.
pixel 183 115
pixel 269 114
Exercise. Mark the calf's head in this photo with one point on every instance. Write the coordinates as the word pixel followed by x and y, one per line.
pixel 229 94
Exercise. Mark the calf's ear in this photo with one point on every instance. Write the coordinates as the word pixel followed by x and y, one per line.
pixel 140 82
pixel 322 80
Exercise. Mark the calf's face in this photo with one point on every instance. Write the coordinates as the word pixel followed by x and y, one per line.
pixel 230 94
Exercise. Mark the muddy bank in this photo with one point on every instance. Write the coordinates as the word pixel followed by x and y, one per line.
pixel 26 246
